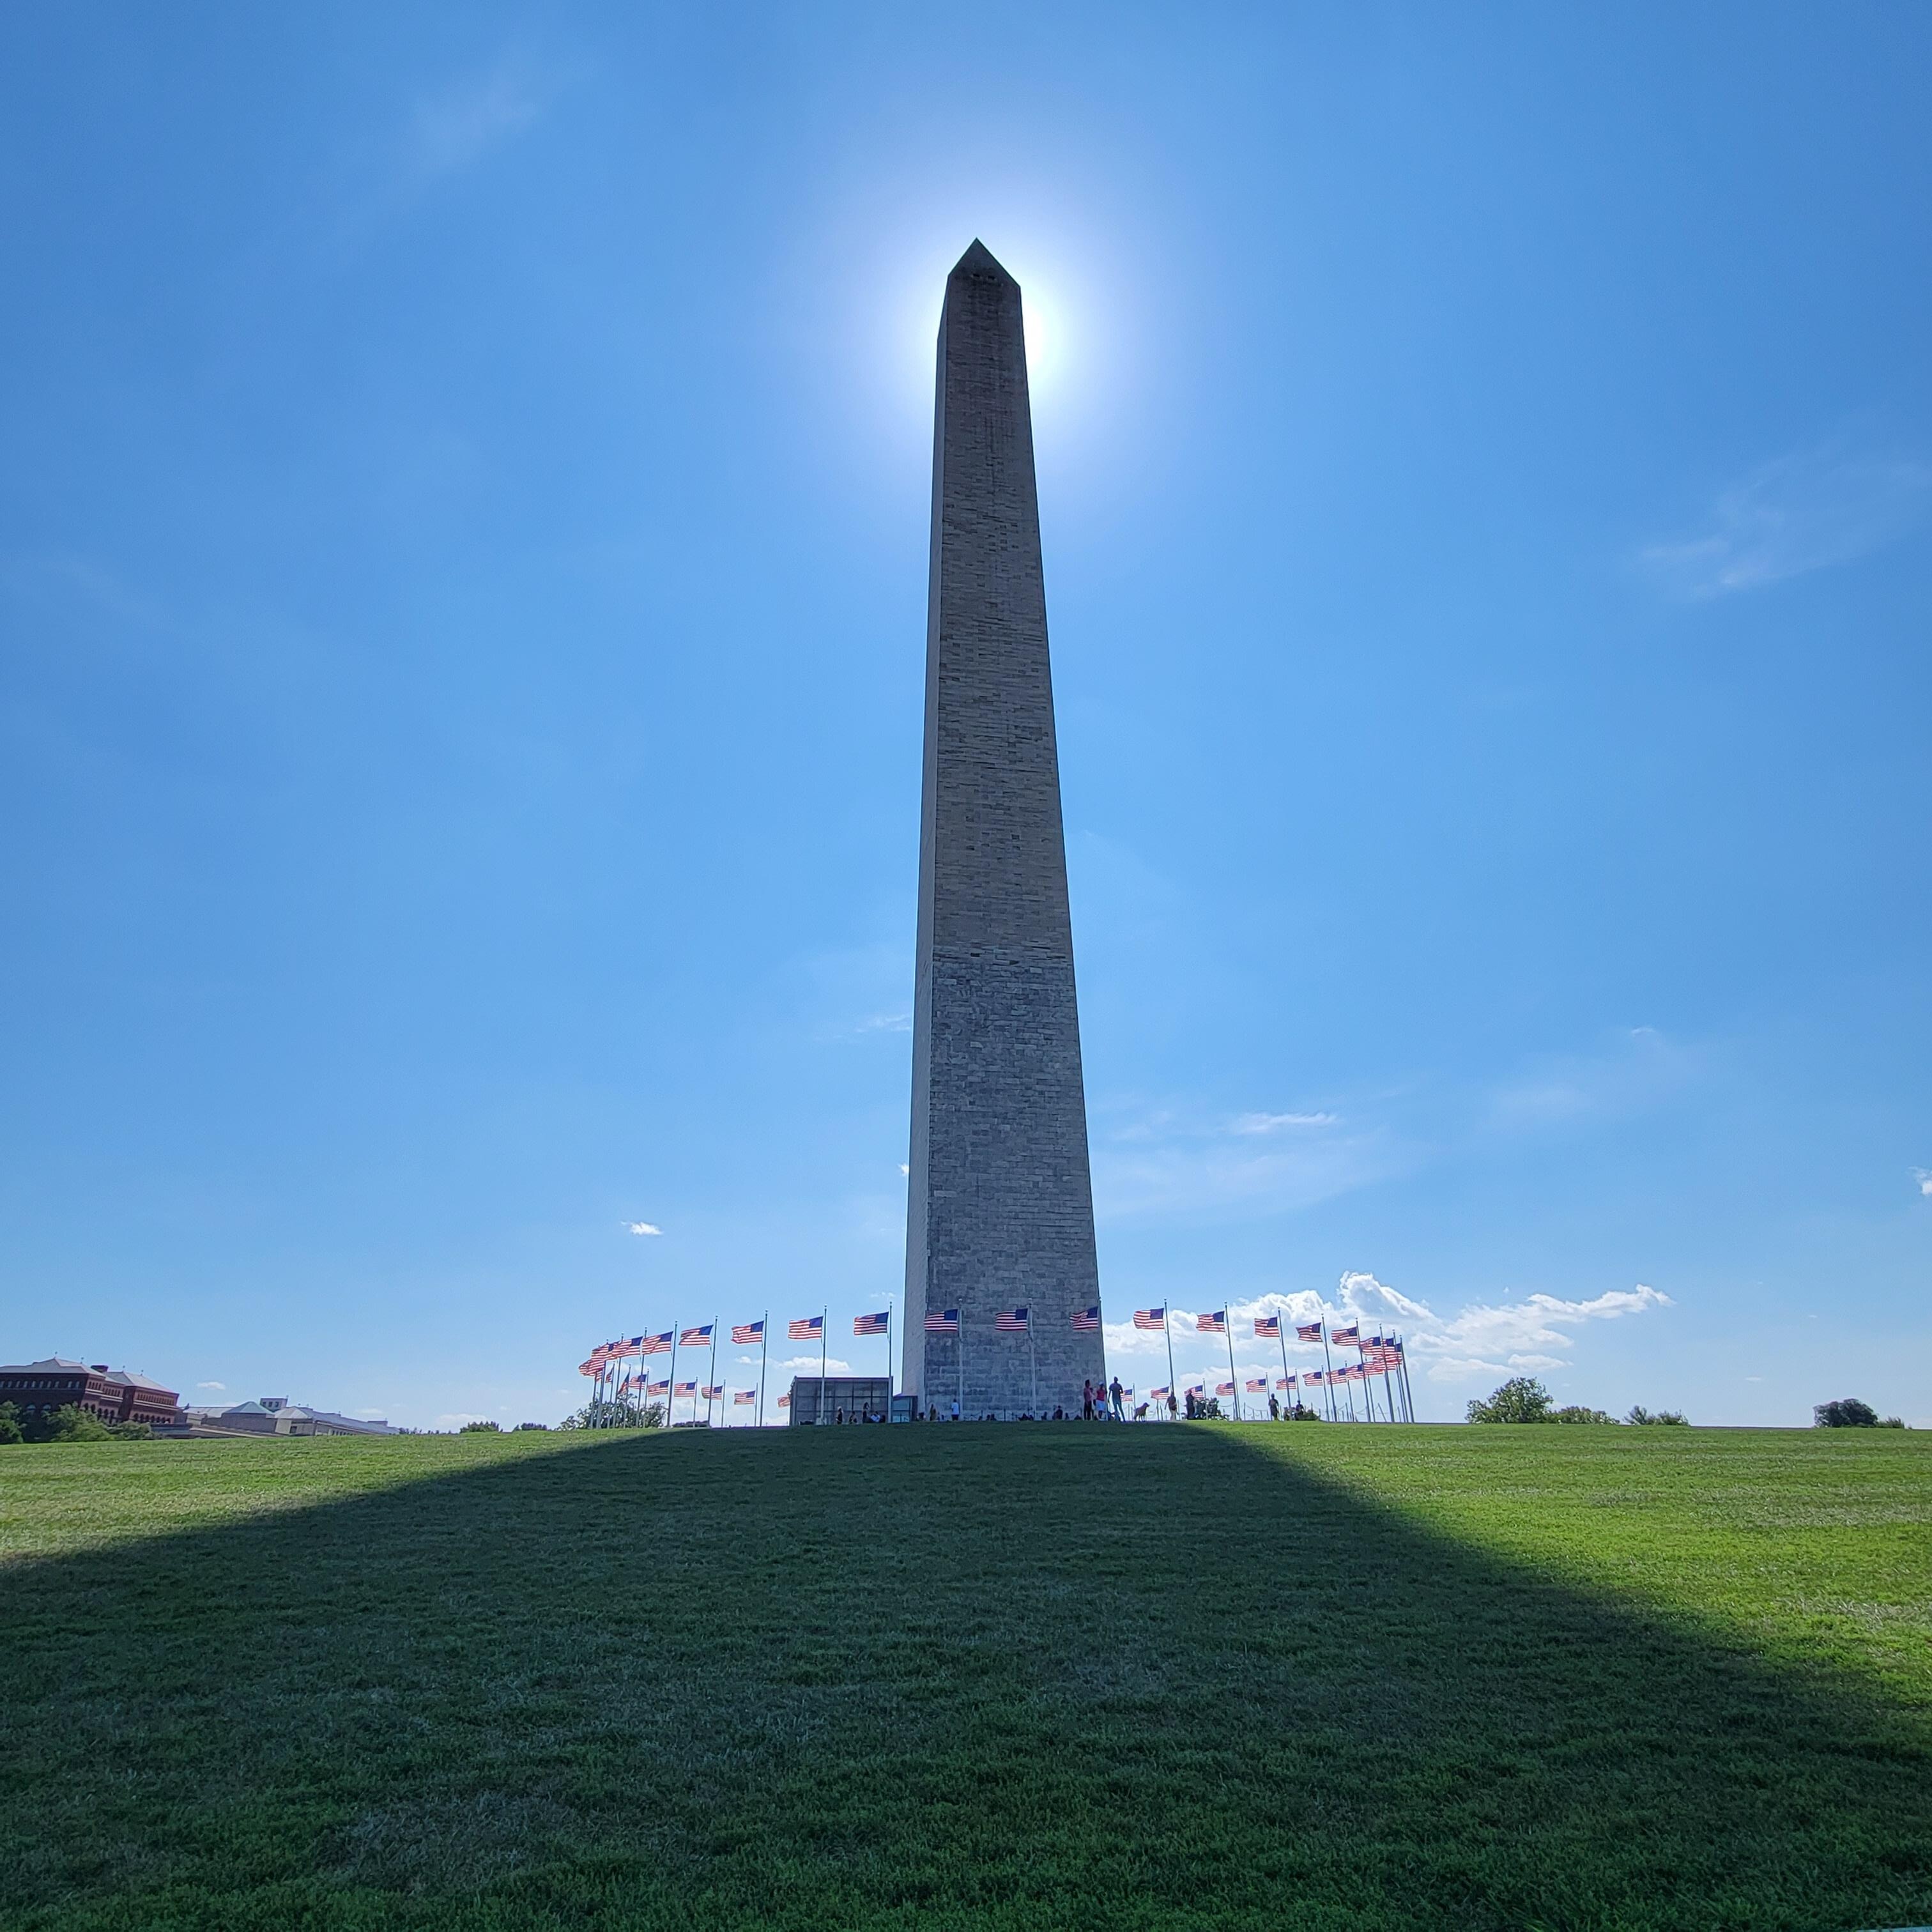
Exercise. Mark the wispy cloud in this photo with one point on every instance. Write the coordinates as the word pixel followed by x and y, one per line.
pixel 642 1228
pixel 212 1385
pixel 456 127
pixel 808 1365
pixel 1638 1069
pixel 884 1023
pixel 1168 1162
pixel 1802 512
pixel 1924 1177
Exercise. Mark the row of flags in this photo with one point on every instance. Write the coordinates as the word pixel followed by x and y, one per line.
pixel 744 1334
pixel 1377 1355
pixel 1268 1328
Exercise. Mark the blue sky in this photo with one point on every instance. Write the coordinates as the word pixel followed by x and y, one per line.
pixel 463 488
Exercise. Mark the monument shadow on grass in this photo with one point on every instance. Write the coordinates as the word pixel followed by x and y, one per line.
pixel 988 1677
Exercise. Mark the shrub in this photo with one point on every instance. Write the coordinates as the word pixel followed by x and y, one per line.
pixel 129 1432
pixel 1575 1414
pixel 1847 1413
pixel 10 1430
pixel 1640 1417
pixel 479 1429
pixel 1521 1398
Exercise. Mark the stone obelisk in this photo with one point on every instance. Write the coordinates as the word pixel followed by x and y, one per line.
pixel 1000 1215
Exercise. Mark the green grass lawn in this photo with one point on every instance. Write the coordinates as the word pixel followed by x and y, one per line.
pixel 1019 1676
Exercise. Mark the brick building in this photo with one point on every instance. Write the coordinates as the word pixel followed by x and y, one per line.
pixel 114 1395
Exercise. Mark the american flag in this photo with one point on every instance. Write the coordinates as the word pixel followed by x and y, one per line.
pixel 685 1388
pixel 1211 1324
pixel 1352 1373
pixel 1313 1375
pixel 1087 1322
pixel 1159 1394
pixel 1011 1321
pixel 1255 1387
pixel 590 1367
pixel 657 1344
pixel 746 1397
pixel 1350 1336
pixel 1150 1317
pixel 712 1391
pixel 748 1331
pixel 1224 1388
pixel 694 1338
pixel 807 1328
pixel 1197 1388
pixel 1308 1331
pixel 784 1402
pixel 872 1324
pixel 942 1322
pixel 1267 1328
pixel 657 1388
pixel 1284 1381
pixel 619 1349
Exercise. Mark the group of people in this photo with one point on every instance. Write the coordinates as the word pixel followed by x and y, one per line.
pixel 1099 1402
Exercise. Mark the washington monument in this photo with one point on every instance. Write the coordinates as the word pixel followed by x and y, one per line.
pixel 1000 1216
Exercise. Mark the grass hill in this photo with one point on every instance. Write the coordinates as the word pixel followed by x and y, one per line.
pixel 984 1676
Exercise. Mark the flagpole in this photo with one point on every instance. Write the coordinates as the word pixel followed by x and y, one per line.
pixel 711 1381
pixel 1167 1329
pixel 1401 1361
pixel 890 1300
pixel 1328 1361
pixel 824 1329
pixel 1032 1363
pixel 764 1349
pixel 671 1383
pixel 1234 1381
pixel 1281 1336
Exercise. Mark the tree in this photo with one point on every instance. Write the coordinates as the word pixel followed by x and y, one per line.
pixel 1521 1398
pixel 1847 1413
pixel 479 1429
pixel 1640 1417
pixel 73 1424
pixel 10 1430
pixel 616 1415
pixel 1574 1415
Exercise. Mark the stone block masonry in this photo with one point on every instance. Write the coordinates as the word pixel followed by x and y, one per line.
pixel 1000 1212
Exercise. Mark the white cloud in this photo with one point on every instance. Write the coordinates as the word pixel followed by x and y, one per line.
pixel 1273 1123
pixel 457 1421
pixel 1924 1177
pixel 808 1365
pixel 1481 1339
pixel 642 1228
pixel 884 1023
pixel 905 1170
pixel 212 1385
pixel 1802 512
pixel 452 130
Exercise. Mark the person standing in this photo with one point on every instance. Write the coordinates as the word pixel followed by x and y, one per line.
pixel 1087 1400
pixel 1115 1390
pixel 1274 1408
